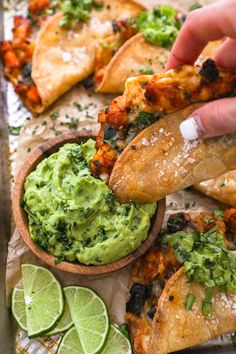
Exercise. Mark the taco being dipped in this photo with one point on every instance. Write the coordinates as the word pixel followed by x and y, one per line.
pixel 158 161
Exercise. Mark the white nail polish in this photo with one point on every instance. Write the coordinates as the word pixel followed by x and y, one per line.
pixel 190 129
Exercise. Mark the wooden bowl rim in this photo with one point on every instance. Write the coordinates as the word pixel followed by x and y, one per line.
pixel 21 220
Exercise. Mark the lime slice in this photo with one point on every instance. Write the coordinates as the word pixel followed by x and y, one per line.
pixel 18 307
pixel 70 343
pixel 116 343
pixel 90 317
pixel 64 323
pixel 44 301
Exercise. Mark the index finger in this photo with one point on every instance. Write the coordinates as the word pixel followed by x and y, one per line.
pixel 209 23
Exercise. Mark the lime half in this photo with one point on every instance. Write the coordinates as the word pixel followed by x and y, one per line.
pixel 70 343
pixel 44 303
pixel 116 343
pixel 90 317
pixel 18 307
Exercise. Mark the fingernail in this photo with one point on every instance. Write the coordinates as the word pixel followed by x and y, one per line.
pixel 190 128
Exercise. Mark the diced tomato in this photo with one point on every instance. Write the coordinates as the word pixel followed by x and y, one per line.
pixel 11 60
pixel 38 5
pixel 33 95
pixel 22 28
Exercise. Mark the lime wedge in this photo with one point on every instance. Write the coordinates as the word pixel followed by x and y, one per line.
pixel 64 323
pixel 18 307
pixel 44 301
pixel 116 343
pixel 90 317
pixel 70 343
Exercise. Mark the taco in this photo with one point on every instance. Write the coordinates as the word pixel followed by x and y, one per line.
pixel 222 188
pixel 166 311
pixel 145 100
pixel 145 53
pixel 65 49
pixel 135 57
pixel 159 161
pixel 176 328
pixel 62 57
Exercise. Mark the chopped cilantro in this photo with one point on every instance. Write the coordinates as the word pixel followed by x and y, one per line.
pixel 189 301
pixel 59 259
pixel 145 118
pixel 14 130
pixel 54 115
pixel 160 26
pixel 219 213
pixel 206 258
pixel 74 122
pixel 146 70
pixel 74 10
pixel 208 221
pixel 207 303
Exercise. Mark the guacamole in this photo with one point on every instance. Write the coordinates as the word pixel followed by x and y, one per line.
pixel 74 216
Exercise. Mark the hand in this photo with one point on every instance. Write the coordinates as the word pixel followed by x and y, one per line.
pixel 209 23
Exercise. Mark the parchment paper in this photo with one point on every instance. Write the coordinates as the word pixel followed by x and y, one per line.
pixel 112 288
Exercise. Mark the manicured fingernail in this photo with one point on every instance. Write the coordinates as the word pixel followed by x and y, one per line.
pixel 190 128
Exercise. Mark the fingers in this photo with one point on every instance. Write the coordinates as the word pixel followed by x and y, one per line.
pixel 213 119
pixel 226 55
pixel 203 25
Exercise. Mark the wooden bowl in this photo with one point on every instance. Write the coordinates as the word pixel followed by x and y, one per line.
pixel 21 219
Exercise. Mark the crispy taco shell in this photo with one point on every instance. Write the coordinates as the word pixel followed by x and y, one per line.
pixel 129 59
pixel 175 328
pixel 159 161
pixel 64 57
pixel 222 188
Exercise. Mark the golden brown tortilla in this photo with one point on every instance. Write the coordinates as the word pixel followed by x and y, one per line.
pixel 222 188
pixel 159 161
pixel 135 54
pixel 64 57
pixel 175 328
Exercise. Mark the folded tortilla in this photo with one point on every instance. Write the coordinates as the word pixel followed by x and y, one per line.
pixel 64 57
pixel 175 328
pixel 159 161
pixel 222 188
pixel 133 56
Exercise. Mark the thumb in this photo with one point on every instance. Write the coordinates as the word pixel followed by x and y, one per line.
pixel 213 119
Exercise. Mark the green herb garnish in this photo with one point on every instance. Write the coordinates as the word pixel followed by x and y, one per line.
pixel 219 214
pixel 207 303
pixel 206 258
pixel 145 119
pixel 189 301
pixel 146 70
pixel 77 10
pixel 54 115
pixel 14 130
pixel 159 26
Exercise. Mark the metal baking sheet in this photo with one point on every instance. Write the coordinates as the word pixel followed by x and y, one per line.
pixel 12 113
pixel 7 339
